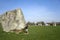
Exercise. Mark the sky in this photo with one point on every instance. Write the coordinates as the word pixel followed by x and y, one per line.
pixel 34 10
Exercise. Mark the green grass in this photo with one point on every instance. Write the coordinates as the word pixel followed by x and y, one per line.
pixel 35 33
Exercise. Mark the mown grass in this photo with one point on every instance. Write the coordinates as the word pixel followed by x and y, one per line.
pixel 35 33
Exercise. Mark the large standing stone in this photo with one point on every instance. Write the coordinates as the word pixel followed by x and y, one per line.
pixel 12 20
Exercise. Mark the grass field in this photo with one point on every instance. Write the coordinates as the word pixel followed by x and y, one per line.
pixel 35 33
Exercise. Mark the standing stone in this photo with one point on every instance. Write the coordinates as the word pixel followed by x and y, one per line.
pixel 12 20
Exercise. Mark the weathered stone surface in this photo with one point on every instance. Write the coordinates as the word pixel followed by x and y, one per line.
pixel 12 20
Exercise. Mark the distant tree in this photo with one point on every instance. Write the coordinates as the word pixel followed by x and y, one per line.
pixel 42 23
pixel 31 23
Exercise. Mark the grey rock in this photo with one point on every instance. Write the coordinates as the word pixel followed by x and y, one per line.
pixel 11 20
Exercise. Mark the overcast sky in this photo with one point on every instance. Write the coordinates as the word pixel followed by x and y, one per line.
pixel 34 10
